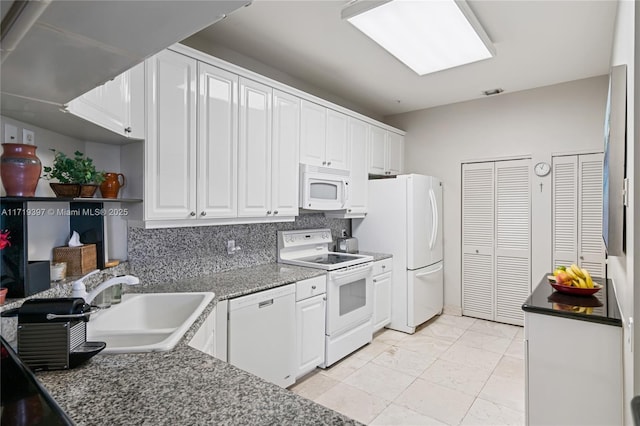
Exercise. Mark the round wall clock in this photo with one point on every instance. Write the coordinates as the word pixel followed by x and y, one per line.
pixel 542 168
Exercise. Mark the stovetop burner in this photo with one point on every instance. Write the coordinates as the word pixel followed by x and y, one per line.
pixel 328 259
pixel 310 248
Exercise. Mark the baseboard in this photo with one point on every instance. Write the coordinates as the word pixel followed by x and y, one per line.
pixel 452 310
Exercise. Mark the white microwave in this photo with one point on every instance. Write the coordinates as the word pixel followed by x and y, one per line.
pixel 324 188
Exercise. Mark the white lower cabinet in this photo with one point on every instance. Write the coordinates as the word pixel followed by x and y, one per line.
pixel 382 278
pixel 310 324
pixel 261 334
pixel 573 371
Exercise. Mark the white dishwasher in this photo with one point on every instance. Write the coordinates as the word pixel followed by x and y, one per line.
pixel 261 338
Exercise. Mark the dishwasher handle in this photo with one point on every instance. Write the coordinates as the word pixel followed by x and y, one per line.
pixel 265 303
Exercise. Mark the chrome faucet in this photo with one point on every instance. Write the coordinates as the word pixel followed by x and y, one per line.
pixel 80 290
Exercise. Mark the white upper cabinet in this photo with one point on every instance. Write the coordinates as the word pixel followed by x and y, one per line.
pixel 358 138
pixel 395 153
pixel 386 152
pixel 337 145
pixel 217 142
pixel 170 190
pixel 313 132
pixel 284 154
pixel 323 136
pixel 254 150
pixel 116 105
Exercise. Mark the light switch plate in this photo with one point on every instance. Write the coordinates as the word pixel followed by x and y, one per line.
pixel 10 134
pixel 28 137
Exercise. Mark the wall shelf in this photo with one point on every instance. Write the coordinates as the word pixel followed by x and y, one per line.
pixel 70 200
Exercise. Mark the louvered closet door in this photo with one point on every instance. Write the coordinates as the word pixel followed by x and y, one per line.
pixel 590 247
pixel 565 210
pixel 477 240
pixel 513 239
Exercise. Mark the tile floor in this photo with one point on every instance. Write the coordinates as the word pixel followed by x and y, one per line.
pixel 452 371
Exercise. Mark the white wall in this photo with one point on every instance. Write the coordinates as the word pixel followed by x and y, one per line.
pixel 621 269
pixel 564 118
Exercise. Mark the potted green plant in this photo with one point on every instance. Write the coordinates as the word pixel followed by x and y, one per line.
pixel 77 176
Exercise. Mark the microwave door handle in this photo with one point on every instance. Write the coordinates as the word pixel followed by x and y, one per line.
pixel 345 193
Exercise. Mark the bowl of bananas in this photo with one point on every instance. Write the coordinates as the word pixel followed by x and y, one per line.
pixel 573 280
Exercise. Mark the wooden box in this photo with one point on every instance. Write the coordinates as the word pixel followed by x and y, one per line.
pixel 80 260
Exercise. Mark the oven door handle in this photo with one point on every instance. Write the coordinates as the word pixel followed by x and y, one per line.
pixel 345 277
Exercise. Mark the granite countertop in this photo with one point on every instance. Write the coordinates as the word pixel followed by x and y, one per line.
pixel 184 385
pixel 602 307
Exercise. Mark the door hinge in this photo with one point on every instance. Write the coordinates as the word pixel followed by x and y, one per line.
pixel 625 192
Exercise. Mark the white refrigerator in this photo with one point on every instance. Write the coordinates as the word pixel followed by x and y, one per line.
pixel 404 218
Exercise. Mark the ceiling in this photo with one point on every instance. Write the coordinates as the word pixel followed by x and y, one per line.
pixel 538 43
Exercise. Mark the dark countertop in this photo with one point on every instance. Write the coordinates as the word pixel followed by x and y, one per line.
pixel 602 307
pixel 184 385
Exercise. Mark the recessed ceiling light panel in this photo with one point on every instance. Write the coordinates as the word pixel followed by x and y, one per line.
pixel 427 35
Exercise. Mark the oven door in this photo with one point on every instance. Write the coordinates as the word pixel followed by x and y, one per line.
pixel 320 192
pixel 349 298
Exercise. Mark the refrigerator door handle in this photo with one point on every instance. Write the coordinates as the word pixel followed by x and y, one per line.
pixel 424 274
pixel 434 222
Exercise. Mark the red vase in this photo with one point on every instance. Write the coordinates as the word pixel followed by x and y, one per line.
pixel 20 169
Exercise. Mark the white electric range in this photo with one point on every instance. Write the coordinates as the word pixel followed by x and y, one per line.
pixel 349 311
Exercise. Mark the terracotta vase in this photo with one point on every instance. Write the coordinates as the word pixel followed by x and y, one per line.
pixel 20 169
pixel 112 184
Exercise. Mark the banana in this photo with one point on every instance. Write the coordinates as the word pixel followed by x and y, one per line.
pixel 582 282
pixel 571 274
pixel 588 278
pixel 589 311
pixel 576 270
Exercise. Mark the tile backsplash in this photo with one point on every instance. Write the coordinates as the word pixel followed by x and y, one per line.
pixel 161 255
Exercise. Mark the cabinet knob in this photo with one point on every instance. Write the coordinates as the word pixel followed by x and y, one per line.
pixel 328 163
pixel 192 214
pixel 268 212
pixel 477 251
pixel 324 163
pixel 384 266
pixel 127 130
pixel 313 287
pixel 203 213
pixel 581 257
pixel 375 281
pixel 275 212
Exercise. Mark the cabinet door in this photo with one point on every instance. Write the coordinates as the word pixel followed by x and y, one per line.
pixel 477 240
pixel 217 142
pixel 377 150
pixel 310 337
pixel 284 154
pixel 381 301
pixel 591 255
pixel 395 153
pixel 313 129
pixel 254 150
pixel 337 142
pixel 358 142
pixel 106 105
pixel 170 172
pixel 565 205
pixel 513 239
